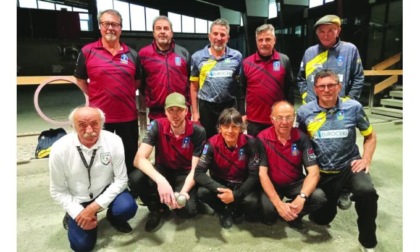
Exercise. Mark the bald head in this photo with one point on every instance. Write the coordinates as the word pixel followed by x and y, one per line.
pixel 283 106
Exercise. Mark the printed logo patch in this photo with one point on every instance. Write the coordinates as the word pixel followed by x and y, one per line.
pixel 340 115
pixel 105 158
pixel 205 149
pixel 241 155
pixel 340 61
pixel 178 61
pixel 276 66
pixel 186 143
pixel 311 154
pixel 295 151
pixel 124 59
pixel 331 134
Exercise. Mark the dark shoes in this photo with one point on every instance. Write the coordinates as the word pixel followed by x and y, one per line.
pixel 66 221
pixel 155 220
pixel 298 225
pixel 344 201
pixel 122 227
pixel 225 219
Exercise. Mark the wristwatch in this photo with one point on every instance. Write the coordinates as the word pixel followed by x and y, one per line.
pixel 302 195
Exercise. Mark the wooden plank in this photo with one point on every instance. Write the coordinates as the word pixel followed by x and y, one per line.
pixel 382 72
pixel 385 84
pixel 388 62
pixel 36 80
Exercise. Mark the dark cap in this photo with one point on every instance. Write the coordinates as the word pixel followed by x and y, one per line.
pixel 328 19
pixel 175 100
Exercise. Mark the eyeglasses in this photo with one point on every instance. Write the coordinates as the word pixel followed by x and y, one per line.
pixel 112 24
pixel 230 126
pixel 329 86
pixel 283 118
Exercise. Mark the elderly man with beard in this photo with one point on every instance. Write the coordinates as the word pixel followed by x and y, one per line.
pixel 165 67
pixel 113 71
pixel 214 77
pixel 178 143
pixel 87 175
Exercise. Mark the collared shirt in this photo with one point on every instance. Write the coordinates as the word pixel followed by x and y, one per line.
pixel 217 78
pixel 284 161
pixel 163 74
pixel 175 152
pixel 333 131
pixel 112 78
pixel 343 58
pixel 265 82
pixel 69 180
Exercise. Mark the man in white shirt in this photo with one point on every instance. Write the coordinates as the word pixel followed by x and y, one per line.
pixel 88 174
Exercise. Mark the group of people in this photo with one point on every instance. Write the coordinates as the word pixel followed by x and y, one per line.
pixel 222 130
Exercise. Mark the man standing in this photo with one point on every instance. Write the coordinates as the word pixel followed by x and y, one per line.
pixel 178 143
pixel 165 67
pixel 267 77
pixel 114 76
pixel 285 150
pixel 331 53
pixel 214 77
pixel 87 175
pixel 331 123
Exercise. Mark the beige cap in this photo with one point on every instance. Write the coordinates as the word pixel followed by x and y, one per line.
pixel 328 19
pixel 175 100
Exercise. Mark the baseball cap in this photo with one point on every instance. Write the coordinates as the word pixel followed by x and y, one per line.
pixel 328 19
pixel 175 100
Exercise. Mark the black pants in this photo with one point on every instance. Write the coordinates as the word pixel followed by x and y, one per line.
pixel 364 196
pixel 145 188
pixel 253 128
pixel 248 206
pixel 315 201
pixel 129 133
pixel 209 114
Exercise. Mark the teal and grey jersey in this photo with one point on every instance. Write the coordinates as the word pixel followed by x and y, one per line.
pixel 343 58
pixel 333 132
pixel 217 78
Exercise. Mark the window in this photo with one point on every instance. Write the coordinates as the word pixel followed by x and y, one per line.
pixel 176 21
pixel 201 26
pixel 28 4
pixel 138 20
pixel 61 7
pixel 45 5
pixel 272 9
pixel 315 3
pixel 187 24
pixel 150 16
pixel 122 8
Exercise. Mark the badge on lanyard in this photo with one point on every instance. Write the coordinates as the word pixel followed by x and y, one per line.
pixel 186 143
pixel 241 155
pixel 295 151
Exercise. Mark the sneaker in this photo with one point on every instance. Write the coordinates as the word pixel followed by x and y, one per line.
pixel 154 222
pixel 66 221
pixel 297 224
pixel 122 227
pixel 363 249
pixel 226 220
pixel 344 201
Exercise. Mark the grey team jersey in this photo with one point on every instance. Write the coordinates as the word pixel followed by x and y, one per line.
pixel 333 132
pixel 343 58
pixel 217 78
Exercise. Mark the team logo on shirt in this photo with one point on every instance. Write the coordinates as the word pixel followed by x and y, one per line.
pixel 205 149
pixel 340 61
pixel 241 154
pixel 124 59
pixel 227 61
pixel 105 158
pixel 177 61
pixel 276 66
pixel 340 115
pixel 295 151
pixel 186 143
pixel 325 134
pixel 311 154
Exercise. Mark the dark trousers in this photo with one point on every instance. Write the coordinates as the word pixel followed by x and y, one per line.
pixel 253 128
pixel 209 114
pixel 145 188
pixel 314 202
pixel 364 196
pixel 129 133
pixel 248 206
pixel 122 209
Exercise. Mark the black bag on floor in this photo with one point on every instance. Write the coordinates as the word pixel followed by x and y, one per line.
pixel 46 140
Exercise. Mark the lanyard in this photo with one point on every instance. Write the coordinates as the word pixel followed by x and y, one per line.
pixel 86 165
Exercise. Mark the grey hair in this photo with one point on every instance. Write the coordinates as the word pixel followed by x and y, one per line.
pixel 222 22
pixel 326 73
pixel 161 18
pixel 265 27
pixel 229 116
pixel 112 12
pixel 73 112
